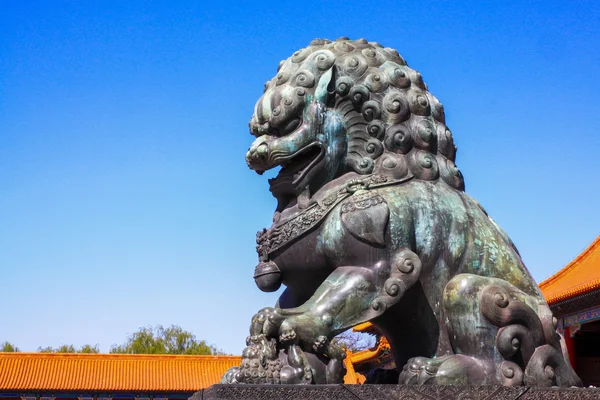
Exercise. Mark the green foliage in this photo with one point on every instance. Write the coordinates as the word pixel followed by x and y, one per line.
pixel 9 348
pixel 149 340
pixel 48 349
pixel 70 349
pixel 66 349
pixel 159 340
pixel 86 348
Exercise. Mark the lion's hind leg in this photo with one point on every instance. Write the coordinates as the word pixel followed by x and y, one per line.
pixel 471 337
pixel 492 321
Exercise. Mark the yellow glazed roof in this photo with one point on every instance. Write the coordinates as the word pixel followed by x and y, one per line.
pixel 582 275
pixel 127 372
pixel 118 372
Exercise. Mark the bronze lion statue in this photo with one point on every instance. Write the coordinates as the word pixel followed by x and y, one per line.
pixel 373 224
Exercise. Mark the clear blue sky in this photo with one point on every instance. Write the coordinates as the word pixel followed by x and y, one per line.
pixel 125 200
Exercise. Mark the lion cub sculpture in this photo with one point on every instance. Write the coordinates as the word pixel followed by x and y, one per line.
pixel 373 224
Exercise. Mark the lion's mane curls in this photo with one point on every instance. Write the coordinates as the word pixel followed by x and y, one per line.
pixel 394 125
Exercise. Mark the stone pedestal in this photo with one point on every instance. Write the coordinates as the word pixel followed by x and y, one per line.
pixel 390 392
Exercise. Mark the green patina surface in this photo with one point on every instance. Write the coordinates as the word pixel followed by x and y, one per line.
pixel 373 224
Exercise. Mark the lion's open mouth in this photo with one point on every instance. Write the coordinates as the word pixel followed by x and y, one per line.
pixel 295 172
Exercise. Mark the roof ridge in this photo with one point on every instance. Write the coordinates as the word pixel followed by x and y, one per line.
pixel 573 291
pixel 111 372
pixel 568 268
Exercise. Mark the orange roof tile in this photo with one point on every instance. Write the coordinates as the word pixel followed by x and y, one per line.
pixel 366 327
pixel 580 276
pixel 128 372
pixel 118 372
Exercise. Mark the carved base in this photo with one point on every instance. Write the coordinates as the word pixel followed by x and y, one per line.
pixel 368 392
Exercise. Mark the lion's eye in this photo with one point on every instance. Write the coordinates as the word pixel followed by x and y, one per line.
pixel 290 126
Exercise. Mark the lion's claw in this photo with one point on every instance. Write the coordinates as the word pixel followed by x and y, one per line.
pixel 321 344
pixel 418 370
pixel 288 337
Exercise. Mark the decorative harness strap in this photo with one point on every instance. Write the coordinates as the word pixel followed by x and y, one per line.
pixel 286 232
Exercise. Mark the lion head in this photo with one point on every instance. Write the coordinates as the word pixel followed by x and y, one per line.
pixel 348 106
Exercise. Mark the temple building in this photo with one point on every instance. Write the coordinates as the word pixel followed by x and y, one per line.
pixel 51 376
pixel 573 294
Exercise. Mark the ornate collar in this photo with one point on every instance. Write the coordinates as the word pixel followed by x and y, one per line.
pixel 287 231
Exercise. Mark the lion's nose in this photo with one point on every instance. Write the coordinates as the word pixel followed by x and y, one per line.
pixel 262 152
pixel 257 156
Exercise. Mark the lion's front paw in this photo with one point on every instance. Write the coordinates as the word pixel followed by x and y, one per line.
pixel 267 322
pixel 303 330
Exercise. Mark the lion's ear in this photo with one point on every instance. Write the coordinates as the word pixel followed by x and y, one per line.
pixel 324 90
